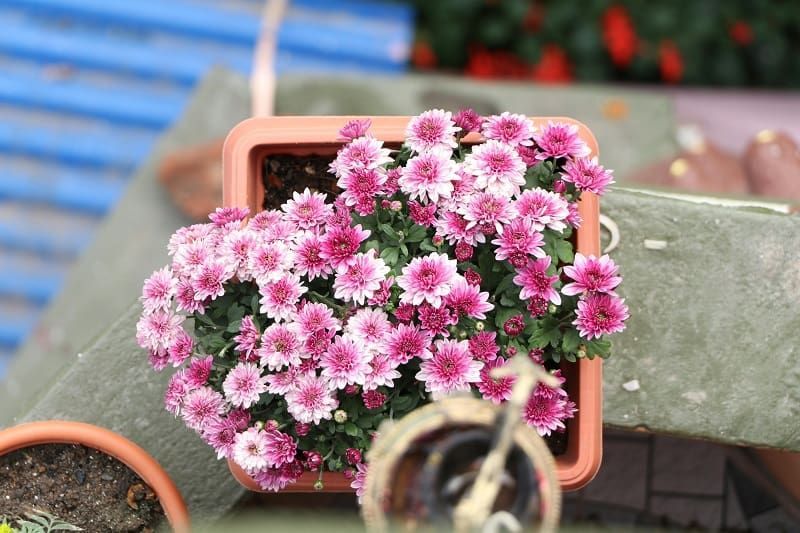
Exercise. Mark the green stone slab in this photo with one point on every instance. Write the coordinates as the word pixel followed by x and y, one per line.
pixel 645 134
pixel 83 362
pixel 714 330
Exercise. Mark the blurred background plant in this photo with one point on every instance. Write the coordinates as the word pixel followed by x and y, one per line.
pixel 714 42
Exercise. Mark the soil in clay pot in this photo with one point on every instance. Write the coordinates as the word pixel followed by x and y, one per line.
pixel 80 486
pixel 283 174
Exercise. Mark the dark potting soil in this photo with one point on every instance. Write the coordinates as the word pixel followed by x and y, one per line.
pixel 283 174
pixel 80 486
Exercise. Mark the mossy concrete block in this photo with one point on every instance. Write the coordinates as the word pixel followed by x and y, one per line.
pixel 633 127
pixel 83 362
pixel 129 245
pixel 714 335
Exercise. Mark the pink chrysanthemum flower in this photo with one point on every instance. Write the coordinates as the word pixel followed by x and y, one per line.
pixel 497 167
pixel 250 450
pixel 600 314
pixel 424 215
pixel 488 210
pixel 202 407
pixel 436 320
pixel 373 399
pixel 318 342
pixel 240 418
pixel 359 483
pixel 244 385
pixel 405 342
pixel 384 292
pixel 307 210
pixel 282 382
pixel 209 280
pixel 361 183
pixel 591 274
pixel 359 279
pixel 544 208
pixel 483 347
pixel 382 373
pixel 429 176
pixel 588 175
pixel 468 120
pixel 468 300
pixel 547 414
pixel 432 129
pixel 354 129
pixel 509 128
pixel 181 348
pixel 574 218
pixel 363 152
pixel 247 339
pixel 450 369
pixel 158 290
pixel 235 251
pixel 312 317
pixel 279 298
pixel 453 228
pixel 369 325
pixel 264 219
pixel 427 279
pixel 519 238
pixel 496 390
pixel 345 363
pixel 185 298
pixel 559 139
pixel 177 389
pixel 313 399
pixel 307 258
pixel 281 448
pixel 221 435
pixel 536 283
pixel 226 216
pixel 340 244
pixel 280 347
pixel 189 234
pixel 199 370
pixel 190 257
pixel 158 359
pixel 283 231
pixel 275 479
pixel 157 331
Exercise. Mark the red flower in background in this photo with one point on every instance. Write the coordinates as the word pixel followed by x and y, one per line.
pixel 480 64
pixel 670 62
pixel 553 66
pixel 534 17
pixel 498 64
pixel 619 36
pixel 741 33
pixel 422 56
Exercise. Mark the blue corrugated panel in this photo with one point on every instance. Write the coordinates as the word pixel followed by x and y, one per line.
pixel 33 286
pixel 155 109
pixel 32 39
pixel 384 11
pixel 43 231
pixel 184 18
pixel 95 145
pixel 14 328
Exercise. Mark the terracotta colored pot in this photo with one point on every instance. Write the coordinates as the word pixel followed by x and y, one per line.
pixel 110 443
pixel 243 154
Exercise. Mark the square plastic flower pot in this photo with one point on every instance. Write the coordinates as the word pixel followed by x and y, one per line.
pixel 250 142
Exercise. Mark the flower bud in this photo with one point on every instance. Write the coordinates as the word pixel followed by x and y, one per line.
pixel 480 326
pixel 259 424
pixel 351 390
pixel 313 460
pixel 319 485
pixel 514 326
pixel 302 429
pixel 559 186
pixel 437 240
pixel 340 416
pixel 352 456
pixel 396 205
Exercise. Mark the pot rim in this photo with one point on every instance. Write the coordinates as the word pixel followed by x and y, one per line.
pixel 120 448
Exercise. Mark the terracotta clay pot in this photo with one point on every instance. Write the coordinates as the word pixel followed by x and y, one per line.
pixel 254 139
pixel 110 443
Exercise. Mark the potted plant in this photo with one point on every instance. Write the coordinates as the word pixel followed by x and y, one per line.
pixel 445 242
pixel 122 471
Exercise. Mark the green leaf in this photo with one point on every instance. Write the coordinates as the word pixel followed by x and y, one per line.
pixel 547 332
pixel 404 248
pixel 205 319
pixel 503 314
pixel 564 251
pixel 598 348
pixel 505 283
pixel 372 244
pixel 390 255
pixel 352 429
pixel 506 301
pixel 570 341
pixel 388 230
pixel 427 246
pixel 416 233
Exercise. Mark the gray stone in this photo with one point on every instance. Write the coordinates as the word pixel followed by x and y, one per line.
pixel 713 333
pixel 688 466
pixel 644 134
pixel 83 363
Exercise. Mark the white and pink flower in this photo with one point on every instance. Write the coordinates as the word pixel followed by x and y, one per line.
pixel 497 167
pixel 427 279
pixel 431 130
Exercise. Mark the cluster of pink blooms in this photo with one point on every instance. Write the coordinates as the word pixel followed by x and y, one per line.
pixel 336 321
